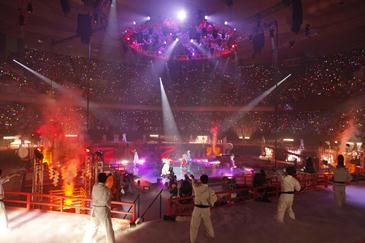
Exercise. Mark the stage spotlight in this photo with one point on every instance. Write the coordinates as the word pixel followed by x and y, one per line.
pixel 225 22
pixel 206 17
pixel 134 22
pixel 148 18
pixel 181 15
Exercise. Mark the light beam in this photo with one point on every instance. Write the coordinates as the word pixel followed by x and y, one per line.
pixel 227 123
pixel 169 124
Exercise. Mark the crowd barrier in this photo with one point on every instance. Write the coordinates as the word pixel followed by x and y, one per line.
pixel 68 204
pixel 183 206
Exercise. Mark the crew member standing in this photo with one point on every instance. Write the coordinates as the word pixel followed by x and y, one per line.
pixel 204 199
pixel 288 187
pixel 3 215
pixel 340 178
pixel 101 208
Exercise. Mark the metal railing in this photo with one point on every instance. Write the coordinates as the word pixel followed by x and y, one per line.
pixel 138 201
pixel 183 206
pixel 158 195
pixel 58 203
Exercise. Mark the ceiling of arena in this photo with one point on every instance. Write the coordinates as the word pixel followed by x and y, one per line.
pixel 334 24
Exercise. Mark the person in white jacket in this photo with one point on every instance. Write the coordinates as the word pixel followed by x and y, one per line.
pixel 204 199
pixel 288 187
pixel 101 206
pixel 3 215
pixel 340 178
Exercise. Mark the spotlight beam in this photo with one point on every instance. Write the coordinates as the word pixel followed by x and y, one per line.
pixel 201 49
pixel 227 123
pixel 53 84
pixel 169 124
pixel 42 77
pixel 170 48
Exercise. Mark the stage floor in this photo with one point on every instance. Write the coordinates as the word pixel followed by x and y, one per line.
pixel 318 220
pixel 46 227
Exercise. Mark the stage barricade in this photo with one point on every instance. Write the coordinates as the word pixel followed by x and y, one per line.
pixel 313 181
pixel 67 204
pixel 183 206
pixel 272 185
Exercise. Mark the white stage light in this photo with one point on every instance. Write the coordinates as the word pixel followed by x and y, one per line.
pixel 225 22
pixel 206 17
pixel 148 18
pixel 181 15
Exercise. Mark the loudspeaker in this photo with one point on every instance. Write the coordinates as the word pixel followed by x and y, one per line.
pixel 10 46
pixel 65 5
pixel 297 15
pixel 2 46
pixel 84 27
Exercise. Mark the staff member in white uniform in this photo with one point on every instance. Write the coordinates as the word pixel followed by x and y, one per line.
pixel 204 199
pixel 288 186
pixel 101 204
pixel 3 215
pixel 340 178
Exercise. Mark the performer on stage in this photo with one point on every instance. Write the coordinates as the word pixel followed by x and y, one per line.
pixel 165 168
pixel 3 215
pixel 184 164
pixel 233 162
pixel 135 162
pixel 189 160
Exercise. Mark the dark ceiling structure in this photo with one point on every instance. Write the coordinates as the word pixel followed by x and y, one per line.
pixel 327 25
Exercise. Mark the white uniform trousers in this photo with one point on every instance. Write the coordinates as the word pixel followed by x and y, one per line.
pixel 198 215
pixel 3 217
pixel 285 204
pixel 101 217
pixel 340 194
